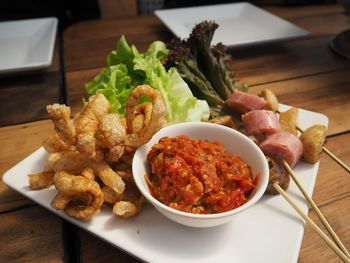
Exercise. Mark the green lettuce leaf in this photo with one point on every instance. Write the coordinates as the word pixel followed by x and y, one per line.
pixel 115 84
pixel 127 68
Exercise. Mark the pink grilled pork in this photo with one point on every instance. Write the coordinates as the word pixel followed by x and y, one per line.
pixel 260 123
pixel 244 102
pixel 283 146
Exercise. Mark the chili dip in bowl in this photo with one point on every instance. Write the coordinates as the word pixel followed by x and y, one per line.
pixel 216 209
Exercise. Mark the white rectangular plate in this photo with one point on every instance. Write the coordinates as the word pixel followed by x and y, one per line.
pixel 268 232
pixel 239 23
pixel 27 44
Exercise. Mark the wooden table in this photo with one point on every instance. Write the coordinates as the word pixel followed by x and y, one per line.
pixel 303 73
pixel 25 94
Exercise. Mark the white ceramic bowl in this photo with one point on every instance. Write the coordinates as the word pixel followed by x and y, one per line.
pixel 234 141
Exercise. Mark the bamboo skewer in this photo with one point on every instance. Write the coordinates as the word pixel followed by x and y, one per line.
pixel 316 209
pixel 312 224
pixel 312 203
pixel 335 158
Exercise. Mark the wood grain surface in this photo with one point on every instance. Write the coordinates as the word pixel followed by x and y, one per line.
pixel 303 73
pixel 313 248
pixel 25 94
pixel 19 141
pixel 31 235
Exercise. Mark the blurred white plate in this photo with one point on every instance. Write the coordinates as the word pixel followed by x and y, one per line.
pixel 239 23
pixel 27 44
pixel 270 231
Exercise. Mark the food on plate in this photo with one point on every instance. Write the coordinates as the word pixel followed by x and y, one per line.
pixel 260 123
pixel 125 209
pixel 205 68
pixel 198 176
pixel 278 174
pixel 60 116
pixel 55 144
pixel 40 180
pixel 86 124
pixel 288 120
pixel 131 203
pixel 88 173
pixel 60 201
pixel 154 118
pixel 79 196
pixel 82 171
pixel 137 94
pixel 211 60
pixel 113 133
pixel 123 169
pixel 283 146
pixel 110 196
pixel 244 102
pixel 226 120
pixel 69 161
pixel 313 139
pixel 209 75
pixel 127 68
pixel 142 116
pixel 108 176
pixel 270 98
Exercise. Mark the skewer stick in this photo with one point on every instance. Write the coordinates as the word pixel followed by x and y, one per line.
pixel 335 158
pixel 316 209
pixel 312 224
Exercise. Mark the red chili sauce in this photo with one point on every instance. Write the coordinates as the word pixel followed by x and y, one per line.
pixel 198 176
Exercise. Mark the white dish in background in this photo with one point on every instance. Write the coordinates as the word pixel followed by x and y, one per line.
pixel 27 44
pixel 239 23
pixel 270 231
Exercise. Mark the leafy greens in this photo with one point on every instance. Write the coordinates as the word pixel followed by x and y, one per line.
pixel 204 67
pixel 127 68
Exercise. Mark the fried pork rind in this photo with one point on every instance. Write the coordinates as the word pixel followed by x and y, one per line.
pixel 71 162
pixel 55 144
pixel 61 201
pixel 88 173
pixel 60 116
pixel 142 116
pixel 288 120
pixel 152 122
pixel 82 152
pixel 126 175
pixel 87 196
pixel 86 124
pixel 125 209
pixel 114 134
pixel 128 155
pixel 109 177
pixel 123 169
pixel 110 196
pixel 131 204
pixel 41 180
